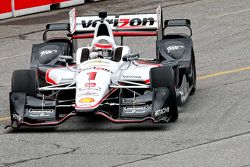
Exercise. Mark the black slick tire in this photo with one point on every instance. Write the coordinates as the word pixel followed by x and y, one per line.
pixel 24 81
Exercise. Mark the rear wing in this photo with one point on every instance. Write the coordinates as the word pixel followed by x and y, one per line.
pixel 121 25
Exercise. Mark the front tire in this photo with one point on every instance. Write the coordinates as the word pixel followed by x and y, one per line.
pixel 24 81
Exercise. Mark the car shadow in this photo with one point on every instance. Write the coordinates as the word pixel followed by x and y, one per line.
pixel 93 124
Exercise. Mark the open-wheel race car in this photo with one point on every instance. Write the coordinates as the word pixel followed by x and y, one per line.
pixel 105 78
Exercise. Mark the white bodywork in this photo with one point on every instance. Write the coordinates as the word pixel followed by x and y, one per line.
pixel 92 82
pixel 96 79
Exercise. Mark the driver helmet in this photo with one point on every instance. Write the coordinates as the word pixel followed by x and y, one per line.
pixel 104 48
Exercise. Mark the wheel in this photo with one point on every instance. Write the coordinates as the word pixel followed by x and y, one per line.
pixel 164 77
pixel 24 81
pixel 193 71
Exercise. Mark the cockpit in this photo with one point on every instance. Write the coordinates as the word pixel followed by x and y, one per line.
pixel 103 45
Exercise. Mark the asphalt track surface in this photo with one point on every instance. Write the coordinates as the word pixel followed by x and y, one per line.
pixel 213 128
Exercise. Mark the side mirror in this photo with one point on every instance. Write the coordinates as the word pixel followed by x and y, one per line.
pixel 65 58
pixel 130 57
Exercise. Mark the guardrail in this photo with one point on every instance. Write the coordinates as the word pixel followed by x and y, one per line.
pixel 14 8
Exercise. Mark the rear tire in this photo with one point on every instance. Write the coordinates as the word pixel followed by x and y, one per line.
pixel 24 81
pixel 164 77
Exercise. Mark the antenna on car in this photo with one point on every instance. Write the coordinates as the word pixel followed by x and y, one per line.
pixel 103 15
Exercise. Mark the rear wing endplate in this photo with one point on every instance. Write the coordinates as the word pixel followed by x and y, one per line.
pixel 178 23
pixel 55 27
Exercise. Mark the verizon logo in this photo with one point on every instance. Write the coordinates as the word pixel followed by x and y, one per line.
pixel 122 22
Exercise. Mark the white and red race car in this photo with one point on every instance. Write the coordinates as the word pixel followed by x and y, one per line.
pixel 105 78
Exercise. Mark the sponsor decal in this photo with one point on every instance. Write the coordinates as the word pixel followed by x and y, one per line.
pixel 90 85
pixel 85 69
pixel 133 110
pixel 88 94
pixel 47 52
pixel 160 112
pixel 122 22
pixel 131 57
pixel 85 105
pixel 134 77
pixel 67 80
pixel 87 100
pixel 100 68
pixel 97 67
pixel 97 61
pixel 41 113
pixel 172 48
pixel 87 89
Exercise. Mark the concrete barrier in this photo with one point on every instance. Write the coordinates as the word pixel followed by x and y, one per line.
pixel 14 8
pixel 5 9
pixel 63 3
pixel 24 7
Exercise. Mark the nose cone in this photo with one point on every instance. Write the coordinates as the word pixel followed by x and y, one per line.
pixel 91 88
pixel 92 83
pixel 90 98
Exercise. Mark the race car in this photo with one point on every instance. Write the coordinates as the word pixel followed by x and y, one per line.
pixel 105 78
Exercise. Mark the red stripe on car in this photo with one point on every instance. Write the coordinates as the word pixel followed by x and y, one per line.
pixel 103 46
pixel 48 79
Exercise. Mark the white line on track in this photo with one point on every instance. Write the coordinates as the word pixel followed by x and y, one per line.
pixel 21 55
pixel 229 13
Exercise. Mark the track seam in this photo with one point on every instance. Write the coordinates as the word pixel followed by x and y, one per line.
pixel 178 150
pixel 248 165
pixel 21 55
pixel 28 33
pixel 38 158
